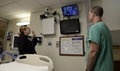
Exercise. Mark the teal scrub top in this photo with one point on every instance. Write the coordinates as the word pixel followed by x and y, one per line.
pixel 100 34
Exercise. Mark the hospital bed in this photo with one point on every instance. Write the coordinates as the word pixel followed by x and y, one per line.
pixel 29 62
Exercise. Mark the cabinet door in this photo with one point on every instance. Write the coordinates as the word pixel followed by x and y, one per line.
pixel 48 26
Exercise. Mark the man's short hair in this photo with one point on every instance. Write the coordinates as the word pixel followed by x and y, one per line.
pixel 97 10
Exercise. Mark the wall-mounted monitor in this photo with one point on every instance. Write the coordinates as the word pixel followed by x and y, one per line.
pixel 70 26
pixel 70 10
pixel 15 39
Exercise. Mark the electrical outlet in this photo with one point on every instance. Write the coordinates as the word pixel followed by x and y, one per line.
pixel 57 44
pixel 49 43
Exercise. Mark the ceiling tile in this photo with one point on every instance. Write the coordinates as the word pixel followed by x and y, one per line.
pixel 10 9
pixel 49 3
pixel 5 2
pixel 56 5
pixel 14 8
pixel 15 0
pixel 10 17
pixel 68 2
pixel 4 11
pixel 30 5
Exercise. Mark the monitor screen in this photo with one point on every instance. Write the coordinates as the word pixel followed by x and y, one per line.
pixel 70 10
pixel 71 26
pixel 14 42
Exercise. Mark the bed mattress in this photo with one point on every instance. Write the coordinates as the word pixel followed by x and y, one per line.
pixel 15 66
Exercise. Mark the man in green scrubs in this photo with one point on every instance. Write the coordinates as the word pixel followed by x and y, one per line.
pixel 99 55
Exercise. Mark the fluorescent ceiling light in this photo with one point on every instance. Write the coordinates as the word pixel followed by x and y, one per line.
pixel 23 23
pixel 23 15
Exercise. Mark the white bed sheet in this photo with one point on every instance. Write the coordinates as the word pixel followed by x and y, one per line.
pixel 15 66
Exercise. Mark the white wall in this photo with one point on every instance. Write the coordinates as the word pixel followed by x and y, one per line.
pixel 96 2
pixel 61 63
pixel 112 13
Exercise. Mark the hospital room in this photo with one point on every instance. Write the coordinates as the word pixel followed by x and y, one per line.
pixel 59 35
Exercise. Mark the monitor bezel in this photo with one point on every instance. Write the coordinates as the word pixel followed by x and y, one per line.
pixel 70 15
pixel 12 43
pixel 65 33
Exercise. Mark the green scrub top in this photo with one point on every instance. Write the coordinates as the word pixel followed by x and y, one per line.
pixel 100 34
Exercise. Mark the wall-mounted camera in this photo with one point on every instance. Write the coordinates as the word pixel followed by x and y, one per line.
pixel 48 13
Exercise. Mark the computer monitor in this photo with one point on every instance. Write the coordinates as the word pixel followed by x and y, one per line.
pixel 70 10
pixel 71 26
pixel 14 45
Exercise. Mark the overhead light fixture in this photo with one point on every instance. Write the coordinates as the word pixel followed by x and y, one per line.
pixel 22 15
pixel 23 23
